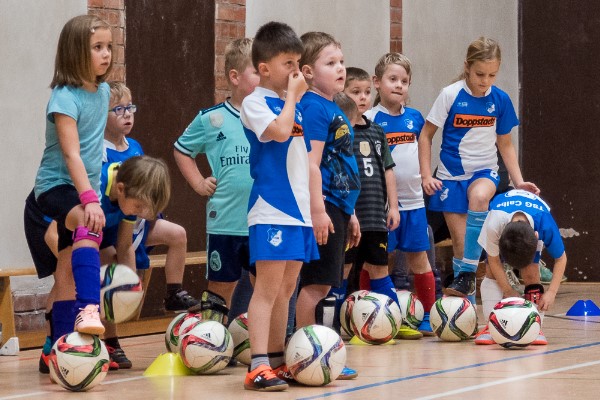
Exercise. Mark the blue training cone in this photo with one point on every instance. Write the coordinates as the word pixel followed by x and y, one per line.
pixel 584 308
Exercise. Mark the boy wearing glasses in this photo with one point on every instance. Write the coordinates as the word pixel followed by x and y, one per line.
pixel 146 234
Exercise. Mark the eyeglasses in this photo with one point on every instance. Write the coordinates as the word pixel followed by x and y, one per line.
pixel 120 110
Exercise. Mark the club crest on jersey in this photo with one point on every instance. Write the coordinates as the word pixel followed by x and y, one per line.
pixel 491 107
pixel 274 236
pixel 365 148
pixel 378 147
pixel 216 119
pixel 409 123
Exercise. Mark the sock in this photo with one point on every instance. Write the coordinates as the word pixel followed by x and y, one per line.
pixel 339 294
pixel 173 288
pixel 63 317
pixel 385 286
pixel 276 359
pixel 47 345
pixel 472 251
pixel 491 294
pixel 456 263
pixel 113 342
pixel 365 281
pixel 258 360
pixel 86 273
pixel 425 289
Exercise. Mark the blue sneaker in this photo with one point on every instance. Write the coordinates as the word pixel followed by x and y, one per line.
pixel 425 326
pixel 347 373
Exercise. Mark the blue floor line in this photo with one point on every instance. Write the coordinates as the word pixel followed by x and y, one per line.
pixel 407 378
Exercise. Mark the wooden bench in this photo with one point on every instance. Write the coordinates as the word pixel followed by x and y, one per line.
pixel 35 338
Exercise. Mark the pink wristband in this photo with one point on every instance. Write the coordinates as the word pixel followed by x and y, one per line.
pixel 89 196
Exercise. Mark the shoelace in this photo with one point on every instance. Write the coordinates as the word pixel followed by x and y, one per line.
pixel 267 374
pixel 91 311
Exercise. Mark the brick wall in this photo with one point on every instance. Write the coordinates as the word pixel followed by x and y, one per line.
pixel 396 26
pixel 230 24
pixel 113 12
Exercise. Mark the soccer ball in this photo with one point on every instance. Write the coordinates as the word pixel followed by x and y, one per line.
pixel 514 322
pixel 121 293
pixel 241 340
pixel 411 308
pixel 376 318
pixel 346 310
pixel 315 355
pixel 206 348
pixel 176 328
pixel 453 318
pixel 78 362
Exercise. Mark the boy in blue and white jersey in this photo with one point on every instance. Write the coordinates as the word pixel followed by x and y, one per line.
pixel 279 215
pixel 517 228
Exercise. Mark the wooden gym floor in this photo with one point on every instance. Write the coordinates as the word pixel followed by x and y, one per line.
pixel 568 368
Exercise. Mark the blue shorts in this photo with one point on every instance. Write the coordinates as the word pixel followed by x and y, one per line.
pixel 412 235
pixel 282 242
pixel 226 256
pixel 453 195
pixel 140 235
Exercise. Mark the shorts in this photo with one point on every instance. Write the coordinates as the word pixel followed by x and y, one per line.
pixel 372 249
pixel 329 269
pixel 453 195
pixel 226 256
pixel 411 235
pixel 36 225
pixel 56 203
pixel 282 242
pixel 140 235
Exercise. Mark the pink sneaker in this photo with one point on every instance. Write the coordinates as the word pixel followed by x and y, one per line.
pixel 540 340
pixel 88 320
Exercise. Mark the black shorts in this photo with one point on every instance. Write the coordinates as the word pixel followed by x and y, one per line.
pixel 329 269
pixel 56 203
pixel 372 249
pixel 36 225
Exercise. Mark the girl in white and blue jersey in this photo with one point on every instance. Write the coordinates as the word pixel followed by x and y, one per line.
pixel 475 117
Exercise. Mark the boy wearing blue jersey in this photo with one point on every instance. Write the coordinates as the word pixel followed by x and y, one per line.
pixel 218 133
pixel 517 228
pixel 402 126
pixel 279 217
pixel 476 116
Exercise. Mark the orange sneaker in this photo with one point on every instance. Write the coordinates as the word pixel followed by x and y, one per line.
pixel 483 337
pixel 263 379
pixel 88 320
pixel 540 340
pixel 284 373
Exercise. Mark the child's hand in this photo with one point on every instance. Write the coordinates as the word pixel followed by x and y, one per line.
pixel 530 187
pixel 546 301
pixel 322 225
pixel 393 219
pixel 431 185
pixel 353 232
pixel 207 186
pixel 94 217
pixel 296 85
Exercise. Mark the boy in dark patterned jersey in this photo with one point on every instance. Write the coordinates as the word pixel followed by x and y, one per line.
pixel 378 187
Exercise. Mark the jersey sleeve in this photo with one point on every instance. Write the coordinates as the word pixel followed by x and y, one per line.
pixel 256 115
pixel 62 101
pixel 386 154
pixel 549 233
pixel 439 111
pixel 192 140
pixel 490 233
pixel 315 121
pixel 507 118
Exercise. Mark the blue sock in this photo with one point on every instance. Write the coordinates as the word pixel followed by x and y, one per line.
pixel 47 345
pixel 339 294
pixel 385 286
pixel 86 273
pixel 472 251
pixel 63 318
pixel 456 263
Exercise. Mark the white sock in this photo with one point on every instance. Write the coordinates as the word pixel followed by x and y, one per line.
pixel 491 294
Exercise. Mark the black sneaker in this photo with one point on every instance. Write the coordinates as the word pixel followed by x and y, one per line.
pixel 212 307
pixel 180 301
pixel 463 285
pixel 264 379
pixel 117 356
pixel 43 364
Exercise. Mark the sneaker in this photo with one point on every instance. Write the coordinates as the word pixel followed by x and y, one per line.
pixel 212 307
pixel 118 359
pixel 462 286
pixel 88 321
pixel 425 326
pixel 512 279
pixel 43 364
pixel 484 337
pixel 407 333
pixel 180 302
pixel 347 374
pixel 284 373
pixel 540 340
pixel 263 379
